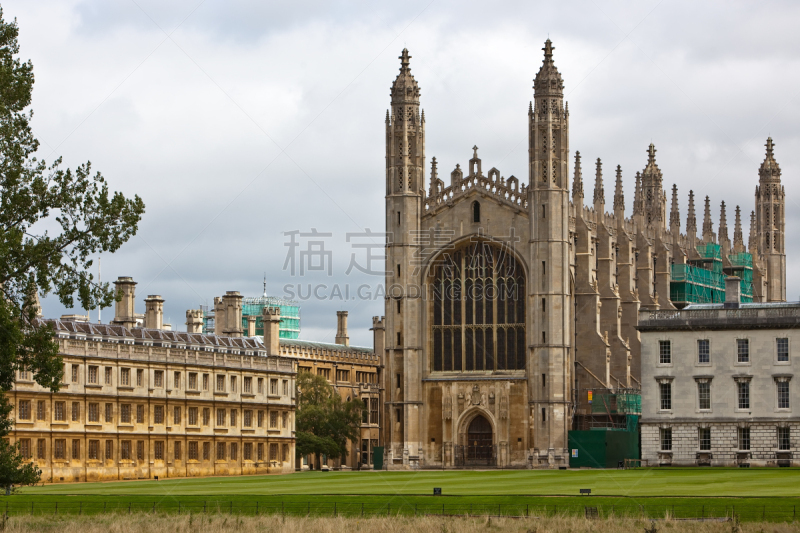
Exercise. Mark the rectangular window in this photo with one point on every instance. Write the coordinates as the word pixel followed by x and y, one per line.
pixel 704 436
pixel 176 380
pixel 76 449
pixel 666 395
pixel 220 417
pixel 140 414
pixel 109 413
pixel 286 386
pixel 704 394
pixel 206 451
pixel 742 350
pixel 220 451
pixel 75 373
pixel 59 448
pixel 248 418
pixel 260 450
pixel 324 372
pixel 24 409
pixel 25 448
pixel 176 450
pixel 193 416
pixel 233 383
pixel 234 416
pixel 273 419
pixel 744 438
pixel 783 394
pixel 666 439
pixel 193 451
pixel 703 351
pixel 158 450
pixel 784 442
pixel 664 352
pixel 261 385
pixel 284 419
pixel 342 375
pixel 109 450
pixel 248 385
pixel 108 375
pixel 94 449
pixel 58 412
pixel 373 411
pixel 140 450
pixel 220 383
pixel 93 374
pixel 125 413
pixel 176 415
pixel 76 411
pixel 206 416
pixel 158 378
pixel 94 412
pixel 783 350
pixel 140 378
pixel 125 450
pixel 247 451
pixel 743 394
pixel 234 451
pixel 273 384
pixel 41 449
pixel 40 410
pixel 205 381
pixel 24 374
pixel 125 377
pixel 193 380
pixel 273 451
pixel 158 414
pixel 285 456
pixel 261 419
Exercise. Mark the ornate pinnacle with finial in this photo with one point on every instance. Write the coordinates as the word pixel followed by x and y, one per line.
pixel 752 241
pixel 691 220
pixel 723 223
pixel 404 59
pixel 738 239
pixel 619 197
pixel 548 50
pixel 599 193
pixel 674 212
pixel 708 226
pixel 577 182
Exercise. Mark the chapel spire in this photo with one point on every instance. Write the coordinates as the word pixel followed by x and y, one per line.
pixel 619 197
pixel 599 192
pixel 691 219
pixel 653 197
pixel 577 184
pixel 708 226
pixel 674 213
pixel 738 240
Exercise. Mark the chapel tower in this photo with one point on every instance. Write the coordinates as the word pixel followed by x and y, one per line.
pixel 770 223
pixel 405 159
pixel 550 300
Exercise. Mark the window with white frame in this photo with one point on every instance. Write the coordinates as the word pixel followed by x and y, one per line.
pixel 782 385
pixel 742 350
pixel 744 438
pixel 784 441
pixel 665 394
pixel 703 351
pixel 782 347
pixel 704 394
pixel 704 436
pixel 666 439
pixel 743 393
pixel 665 352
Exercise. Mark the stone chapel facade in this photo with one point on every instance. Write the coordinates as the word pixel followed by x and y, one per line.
pixel 507 300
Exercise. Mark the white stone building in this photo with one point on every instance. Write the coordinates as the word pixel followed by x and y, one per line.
pixel 717 384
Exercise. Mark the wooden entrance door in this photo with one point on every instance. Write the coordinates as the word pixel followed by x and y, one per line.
pixel 479 437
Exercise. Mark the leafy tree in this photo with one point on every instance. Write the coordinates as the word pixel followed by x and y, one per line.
pixel 52 221
pixel 324 422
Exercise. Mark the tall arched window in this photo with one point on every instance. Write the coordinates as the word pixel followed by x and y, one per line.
pixel 478 308
pixel 476 211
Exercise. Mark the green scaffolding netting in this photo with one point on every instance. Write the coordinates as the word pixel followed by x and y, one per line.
pixel 290 316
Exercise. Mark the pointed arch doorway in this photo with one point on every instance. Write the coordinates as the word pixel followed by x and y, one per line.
pixel 479 439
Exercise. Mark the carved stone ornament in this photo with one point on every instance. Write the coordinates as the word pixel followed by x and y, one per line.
pixel 476 395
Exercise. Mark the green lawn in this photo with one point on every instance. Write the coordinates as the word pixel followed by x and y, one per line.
pixel 769 494
pixel 641 482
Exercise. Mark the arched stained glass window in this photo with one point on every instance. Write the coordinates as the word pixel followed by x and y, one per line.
pixel 478 308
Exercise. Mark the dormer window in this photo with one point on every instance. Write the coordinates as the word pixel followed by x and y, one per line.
pixel 476 212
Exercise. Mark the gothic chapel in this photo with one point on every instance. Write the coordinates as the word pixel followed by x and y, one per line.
pixel 507 300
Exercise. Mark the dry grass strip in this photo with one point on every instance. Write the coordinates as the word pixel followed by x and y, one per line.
pixel 232 524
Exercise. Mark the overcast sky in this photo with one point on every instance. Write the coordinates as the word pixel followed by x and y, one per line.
pixel 237 121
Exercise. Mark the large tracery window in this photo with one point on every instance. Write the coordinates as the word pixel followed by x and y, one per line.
pixel 478 321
